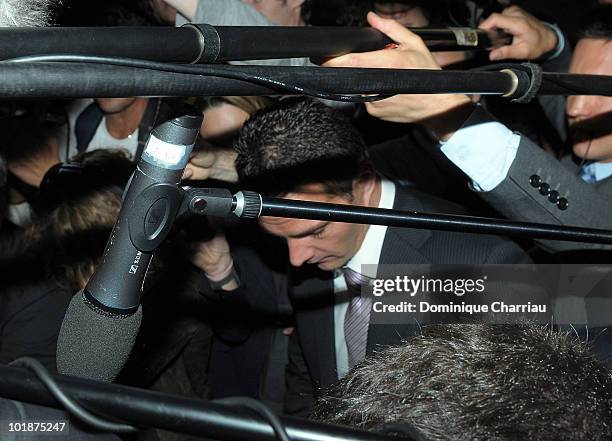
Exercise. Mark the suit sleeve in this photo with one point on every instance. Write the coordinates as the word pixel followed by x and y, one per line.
pixel 539 188
pixel 239 311
pixel 300 392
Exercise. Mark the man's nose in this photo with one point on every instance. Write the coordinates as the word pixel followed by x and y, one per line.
pixel 299 252
pixel 580 106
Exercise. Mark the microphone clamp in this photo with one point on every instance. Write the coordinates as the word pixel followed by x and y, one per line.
pixel 218 202
pixel 160 202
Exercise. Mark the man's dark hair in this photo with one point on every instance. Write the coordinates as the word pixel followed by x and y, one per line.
pixel 436 11
pixel 298 142
pixel 597 23
pixel 479 382
pixel 110 13
pixel 29 128
pixel 306 12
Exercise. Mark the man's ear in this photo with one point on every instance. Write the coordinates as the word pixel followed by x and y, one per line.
pixel 364 186
pixel 296 3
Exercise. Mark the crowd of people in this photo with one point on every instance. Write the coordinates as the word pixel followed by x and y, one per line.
pixel 274 310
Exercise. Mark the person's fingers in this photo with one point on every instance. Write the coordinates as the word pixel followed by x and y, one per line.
pixel 389 58
pixel 196 173
pixel 187 173
pixel 341 61
pixel 514 11
pixel 366 59
pixel 395 31
pixel 519 51
pixel 501 53
pixel 204 159
pixel 513 25
pixel 489 23
pixel 386 58
pixel 382 109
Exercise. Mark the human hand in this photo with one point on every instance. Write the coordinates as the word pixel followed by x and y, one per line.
pixel 531 37
pixel 214 258
pixel 212 164
pixel 213 254
pixel 410 53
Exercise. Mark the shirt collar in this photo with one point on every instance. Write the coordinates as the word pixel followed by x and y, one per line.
pixel 371 247
pixel 602 170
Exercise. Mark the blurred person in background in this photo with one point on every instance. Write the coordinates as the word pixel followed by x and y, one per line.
pixel 243 13
pixel 249 347
pixel 121 123
pixel 30 147
pixel 58 252
pixel 248 13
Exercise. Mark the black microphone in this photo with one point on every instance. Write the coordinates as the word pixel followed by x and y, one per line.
pixel 204 43
pixel 102 320
pixel 235 43
pixel 58 80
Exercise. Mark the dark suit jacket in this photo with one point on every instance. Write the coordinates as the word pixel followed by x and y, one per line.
pixel 31 313
pixel 312 360
pixel 520 195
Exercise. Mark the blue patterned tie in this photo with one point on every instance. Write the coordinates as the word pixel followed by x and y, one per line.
pixel 357 317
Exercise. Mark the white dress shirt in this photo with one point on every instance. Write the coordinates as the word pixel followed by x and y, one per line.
pixel 484 152
pixel 368 254
pixel 596 171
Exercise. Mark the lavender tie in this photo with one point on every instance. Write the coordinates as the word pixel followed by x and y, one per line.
pixel 357 317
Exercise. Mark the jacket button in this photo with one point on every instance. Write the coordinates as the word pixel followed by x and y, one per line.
pixel 562 204
pixel 535 181
pixel 553 196
pixel 544 189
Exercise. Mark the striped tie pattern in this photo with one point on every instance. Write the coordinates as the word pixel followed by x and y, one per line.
pixel 357 317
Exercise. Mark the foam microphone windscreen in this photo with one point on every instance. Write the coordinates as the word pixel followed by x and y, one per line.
pixel 94 344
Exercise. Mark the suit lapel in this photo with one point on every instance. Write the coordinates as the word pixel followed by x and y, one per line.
pixel 401 245
pixel 313 299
